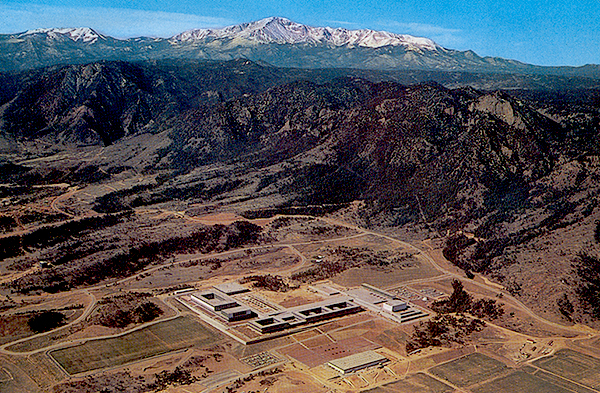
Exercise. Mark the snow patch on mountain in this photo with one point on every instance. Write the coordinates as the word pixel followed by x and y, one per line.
pixel 84 34
pixel 284 31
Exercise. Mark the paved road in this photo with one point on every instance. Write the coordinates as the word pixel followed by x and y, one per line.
pixel 82 317
pixel 505 295
pixel 362 232
pixel 68 343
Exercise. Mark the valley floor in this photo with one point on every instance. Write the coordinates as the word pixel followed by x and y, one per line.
pixel 180 352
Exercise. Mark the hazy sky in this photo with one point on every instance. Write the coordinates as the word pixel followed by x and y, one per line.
pixel 546 32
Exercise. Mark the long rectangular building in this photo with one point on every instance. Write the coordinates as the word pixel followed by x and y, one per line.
pixel 308 313
pixel 357 362
pixel 327 309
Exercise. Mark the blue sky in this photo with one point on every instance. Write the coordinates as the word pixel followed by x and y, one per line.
pixel 545 32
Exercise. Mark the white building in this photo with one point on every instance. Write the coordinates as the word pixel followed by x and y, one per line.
pixel 394 306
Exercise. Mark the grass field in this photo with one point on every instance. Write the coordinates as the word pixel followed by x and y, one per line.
pixel 163 337
pixel 573 365
pixel 469 370
pixel 40 369
pixel 418 383
pixel 520 382
pixel 564 383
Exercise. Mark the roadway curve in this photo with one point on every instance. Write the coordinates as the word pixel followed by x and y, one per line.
pixel 505 295
pixel 362 232
pixel 88 310
pixel 68 343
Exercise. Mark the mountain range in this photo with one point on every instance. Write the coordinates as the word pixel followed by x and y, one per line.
pixel 273 114
pixel 518 169
pixel 277 41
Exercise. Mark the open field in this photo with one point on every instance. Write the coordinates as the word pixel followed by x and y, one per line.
pixel 190 268
pixel 564 383
pixel 151 341
pixel 574 366
pixel 519 381
pixel 319 354
pixel 417 383
pixel 385 277
pixel 469 370
pixel 38 368
pixel 14 380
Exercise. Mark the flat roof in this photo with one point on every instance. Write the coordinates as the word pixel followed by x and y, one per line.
pixel 378 290
pixel 231 288
pixel 237 309
pixel 323 303
pixel 213 297
pixel 396 303
pixel 357 360
pixel 325 289
pixel 367 296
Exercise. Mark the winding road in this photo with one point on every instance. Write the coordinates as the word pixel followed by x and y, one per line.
pixel 445 274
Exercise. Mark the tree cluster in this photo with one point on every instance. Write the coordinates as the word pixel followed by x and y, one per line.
pixel 442 330
pixel 16 245
pixel 45 321
pixel 452 325
pixel 460 301
pixel 145 312
pixel 122 310
pixel 179 376
pixel 240 382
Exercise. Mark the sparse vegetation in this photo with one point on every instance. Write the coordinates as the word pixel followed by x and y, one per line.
pixel 123 264
pixel 319 210
pixel 122 310
pixel 239 383
pixel 325 269
pixel 179 376
pixel 588 271
pixel 565 306
pixel 343 258
pixel 268 282
pixel 121 382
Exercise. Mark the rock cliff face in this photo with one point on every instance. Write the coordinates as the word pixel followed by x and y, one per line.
pixel 496 105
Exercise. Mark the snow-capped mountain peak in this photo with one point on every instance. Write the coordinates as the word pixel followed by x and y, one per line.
pixel 84 34
pixel 284 31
